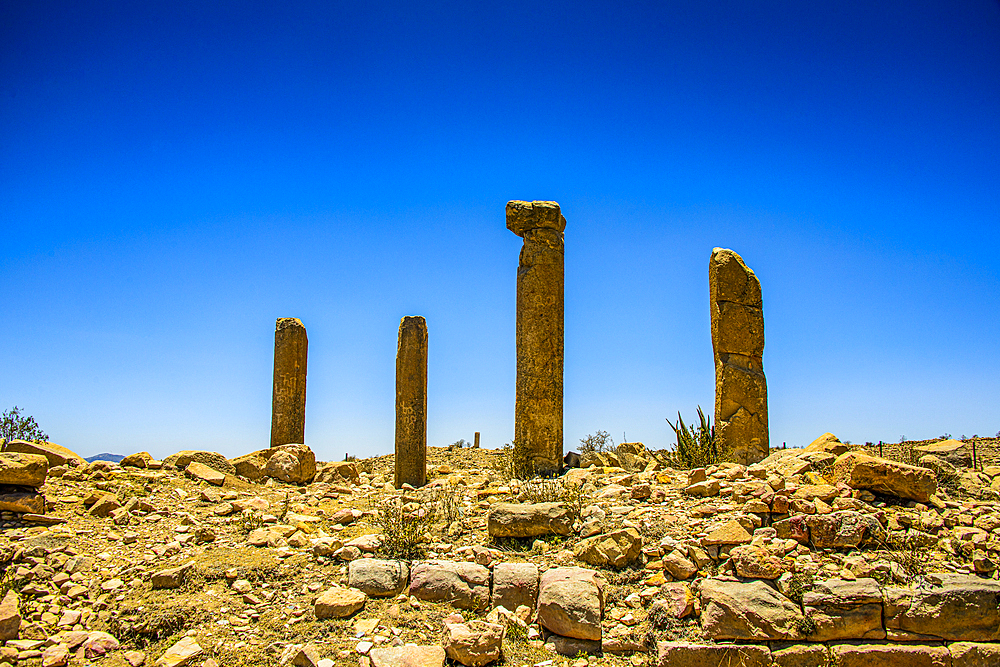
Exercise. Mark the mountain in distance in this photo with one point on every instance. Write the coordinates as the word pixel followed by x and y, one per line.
pixel 114 458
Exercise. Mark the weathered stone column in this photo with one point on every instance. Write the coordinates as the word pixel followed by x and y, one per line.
pixel 538 404
pixel 738 342
pixel 411 403
pixel 288 402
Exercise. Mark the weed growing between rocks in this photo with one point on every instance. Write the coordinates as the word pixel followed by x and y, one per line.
pixel 797 586
pixel 142 625
pixel 8 580
pixel 249 521
pixel 910 559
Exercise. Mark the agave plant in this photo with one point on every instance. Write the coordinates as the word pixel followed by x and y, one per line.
pixel 696 445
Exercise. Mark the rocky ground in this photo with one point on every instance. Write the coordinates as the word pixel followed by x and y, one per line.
pixel 274 559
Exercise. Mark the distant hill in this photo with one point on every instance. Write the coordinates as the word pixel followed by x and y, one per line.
pixel 114 458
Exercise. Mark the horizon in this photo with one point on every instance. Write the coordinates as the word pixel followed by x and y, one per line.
pixel 174 179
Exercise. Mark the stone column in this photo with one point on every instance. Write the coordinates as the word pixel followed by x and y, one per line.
pixel 411 403
pixel 538 404
pixel 475 444
pixel 288 402
pixel 738 343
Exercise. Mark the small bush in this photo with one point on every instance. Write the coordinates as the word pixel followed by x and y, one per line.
pixel 444 503
pixel 696 447
pixel 554 490
pixel 402 532
pixel 15 426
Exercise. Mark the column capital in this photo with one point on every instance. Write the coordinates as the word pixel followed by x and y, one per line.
pixel 526 215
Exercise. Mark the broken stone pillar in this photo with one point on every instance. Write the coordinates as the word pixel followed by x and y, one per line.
pixel 738 342
pixel 538 404
pixel 475 444
pixel 411 403
pixel 288 402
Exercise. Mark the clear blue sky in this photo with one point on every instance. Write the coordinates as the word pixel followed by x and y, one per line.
pixel 174 176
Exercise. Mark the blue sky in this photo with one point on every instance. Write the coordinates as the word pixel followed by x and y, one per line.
pixel 175 176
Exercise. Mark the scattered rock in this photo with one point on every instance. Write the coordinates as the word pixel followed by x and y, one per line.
pixel 201 471
pixel 475 643
pixel 408 656
pixel 180 654
pixel 10 616
pixel 616 549
pixel 339 602
pixel 860 471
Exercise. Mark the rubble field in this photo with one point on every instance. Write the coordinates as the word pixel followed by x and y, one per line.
pixel 829 555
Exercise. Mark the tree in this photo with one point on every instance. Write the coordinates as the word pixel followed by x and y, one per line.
pixel 15 426
pixel 598 442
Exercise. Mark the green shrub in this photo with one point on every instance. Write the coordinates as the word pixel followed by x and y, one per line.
pixel 15 426
pixel 697 446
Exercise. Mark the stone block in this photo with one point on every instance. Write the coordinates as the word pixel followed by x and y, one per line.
pixel 571 602
pixel 378 578
pixel 464 585
pixel 953 607
pixel 514 585
pixel 843 609
pixel 749 611
pixel 529 520
pixel 23 469
pixel 889 655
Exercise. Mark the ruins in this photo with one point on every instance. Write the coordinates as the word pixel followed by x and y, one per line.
pixel 538 405
pixel 738 343
pixel 288 402
pixel 411 403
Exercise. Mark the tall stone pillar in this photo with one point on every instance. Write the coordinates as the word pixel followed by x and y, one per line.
pixel 411 403
pixel 538 404
pixel 738 343
pixel 288 402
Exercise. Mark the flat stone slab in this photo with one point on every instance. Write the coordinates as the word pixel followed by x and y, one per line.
pixel 889 655
pixel 684 654
pixel 952 607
